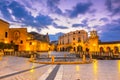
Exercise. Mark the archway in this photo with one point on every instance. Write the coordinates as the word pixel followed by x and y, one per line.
pixel 116 49
pixel 101 49
pixel 79 48
pixel 74 48
pixel 87 50
pixel 108 49
pixel 63 49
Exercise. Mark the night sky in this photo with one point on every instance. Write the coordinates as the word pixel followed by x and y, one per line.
pixel 57 17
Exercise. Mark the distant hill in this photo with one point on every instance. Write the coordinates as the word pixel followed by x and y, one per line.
pixel 40 37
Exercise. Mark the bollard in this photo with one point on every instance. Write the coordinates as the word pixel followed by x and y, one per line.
pixel 31 58
pixel 84 58
pixel 34 56
pixel 53 59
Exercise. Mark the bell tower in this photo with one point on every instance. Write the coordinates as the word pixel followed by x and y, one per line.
pixel 93 34
pixel 93 41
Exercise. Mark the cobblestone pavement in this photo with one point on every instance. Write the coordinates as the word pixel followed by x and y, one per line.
pixel 17 68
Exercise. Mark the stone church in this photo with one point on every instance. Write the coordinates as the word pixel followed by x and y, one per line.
pixel 23 40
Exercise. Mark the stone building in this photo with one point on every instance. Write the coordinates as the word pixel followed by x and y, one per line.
pixel 22 40
pixel 74 40
pixel 79 41
pixel 4 28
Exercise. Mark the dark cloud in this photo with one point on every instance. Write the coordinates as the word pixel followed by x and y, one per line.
pixel 4 10
pixel 43 20
pixel 53 6
pixel 78 25
pixel 23 16
pixel 80 8
pixel 116 21
pixel 92 11
pixel 18 10
pixel 85 21
pixel 110 7
pixel 60 27
pixel 104 19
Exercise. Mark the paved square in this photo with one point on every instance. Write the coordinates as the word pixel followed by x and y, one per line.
pixel 17 68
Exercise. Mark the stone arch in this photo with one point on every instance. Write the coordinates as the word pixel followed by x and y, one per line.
pixel 116 49
pixel 63 49
pixel 74 49
pixel 79 48
pixel 101 49
pixel 87 49
pixel 108 49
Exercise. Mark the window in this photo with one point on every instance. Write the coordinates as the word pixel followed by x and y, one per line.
pixel 30 43
pixel 11 41
pixel 73 38
pixel 21 42
pixel 6 34
pixel 79 32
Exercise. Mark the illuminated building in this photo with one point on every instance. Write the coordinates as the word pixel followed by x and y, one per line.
pixel 79 41
pixel 4 31
pixel 72 40
pixel 23 40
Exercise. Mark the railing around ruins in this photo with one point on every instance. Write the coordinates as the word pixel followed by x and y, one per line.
pixel 18 53
pixel 99 55
pixel 95 55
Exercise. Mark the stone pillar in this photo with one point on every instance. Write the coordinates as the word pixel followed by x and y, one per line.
pixel 31 58
pixel 84 58
pixel 53 59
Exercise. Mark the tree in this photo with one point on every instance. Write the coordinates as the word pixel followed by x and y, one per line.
pixel 6 46
pixel 2 45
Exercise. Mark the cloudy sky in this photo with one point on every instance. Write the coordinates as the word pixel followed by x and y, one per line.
pixel 56 17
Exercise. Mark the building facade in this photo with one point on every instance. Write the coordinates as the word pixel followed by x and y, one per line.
pixel 73 40
pixel 4 31
pixel 22 40
pixel 79 41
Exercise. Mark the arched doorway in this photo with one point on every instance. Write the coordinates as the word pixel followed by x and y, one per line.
pixel 116 49
pixel 63 49
pixel 101 50
pixel 79 48
pixel 108 49
pixel 87 50
pixel 74 49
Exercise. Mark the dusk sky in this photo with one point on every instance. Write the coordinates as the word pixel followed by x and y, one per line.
pixel 56 17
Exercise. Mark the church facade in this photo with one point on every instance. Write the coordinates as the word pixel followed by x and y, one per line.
pixel 79 41
pixel 22 40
